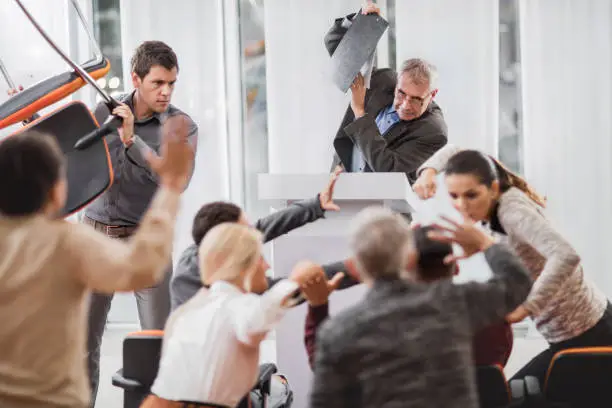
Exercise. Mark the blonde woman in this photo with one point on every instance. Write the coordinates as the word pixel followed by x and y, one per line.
pixel 210 354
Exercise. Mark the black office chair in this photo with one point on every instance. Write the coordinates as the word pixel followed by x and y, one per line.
pixel 141 355
pixel 576 378
pixel 494 391
pixel 89 172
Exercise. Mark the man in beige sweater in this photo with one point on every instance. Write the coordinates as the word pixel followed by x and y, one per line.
pixel 48 265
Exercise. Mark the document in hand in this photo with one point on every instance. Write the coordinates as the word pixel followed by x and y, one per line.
pixel 429 211
pixel 356 48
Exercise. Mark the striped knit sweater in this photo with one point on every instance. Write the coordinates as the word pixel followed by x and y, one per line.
pixel 562 302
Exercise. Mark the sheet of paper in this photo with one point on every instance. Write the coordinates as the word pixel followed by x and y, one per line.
pixel 429 211
pixel 367 69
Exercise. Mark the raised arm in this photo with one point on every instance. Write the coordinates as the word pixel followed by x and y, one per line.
pixel 425 185
pixel 253 316
pixel 522 221
pixel 439 159
pixel 294 216
pixel 491 301
pixel 107 265
pixel 299 213
pixel 341 26
pixel 509 286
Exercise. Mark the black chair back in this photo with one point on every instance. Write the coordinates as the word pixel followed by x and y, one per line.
pixel 89 171
pixel 493 391
pixel 141 356
pixel 581 377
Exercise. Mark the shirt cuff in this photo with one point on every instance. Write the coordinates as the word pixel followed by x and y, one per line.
pixel 351 269
pixel 282 293
pixel 316 204
pixel 532 306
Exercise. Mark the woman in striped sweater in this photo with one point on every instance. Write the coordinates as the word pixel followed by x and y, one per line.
pixel 568 310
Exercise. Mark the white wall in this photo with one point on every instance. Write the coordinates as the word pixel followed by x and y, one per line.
pixel 24 51
pixel 304 107
pixel 462 39
pixel 567 97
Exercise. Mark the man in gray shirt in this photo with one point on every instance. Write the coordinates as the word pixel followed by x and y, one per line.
pixel 409 342
pixel 118 211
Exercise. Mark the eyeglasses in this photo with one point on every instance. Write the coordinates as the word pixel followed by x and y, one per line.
pixel 414 101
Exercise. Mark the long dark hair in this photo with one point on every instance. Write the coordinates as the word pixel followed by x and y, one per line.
pixel 487 170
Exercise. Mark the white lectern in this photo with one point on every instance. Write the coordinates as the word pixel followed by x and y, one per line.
pixel 323 241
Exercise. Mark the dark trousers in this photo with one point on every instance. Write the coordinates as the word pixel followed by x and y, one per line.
pixel 153 310
pixel 598 335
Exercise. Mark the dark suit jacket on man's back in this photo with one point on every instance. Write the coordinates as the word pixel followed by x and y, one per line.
pixel 405 146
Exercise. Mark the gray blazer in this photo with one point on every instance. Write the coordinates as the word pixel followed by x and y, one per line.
pixel 409 344
pixel 186 280
pixel 405 146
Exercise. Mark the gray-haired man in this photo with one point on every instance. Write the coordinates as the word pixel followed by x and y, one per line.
pixel 411 338
pixel 395 125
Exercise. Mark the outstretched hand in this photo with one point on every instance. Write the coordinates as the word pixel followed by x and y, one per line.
pixel 471 239
pixel 326 197
pixel 317 289
pixel 425 185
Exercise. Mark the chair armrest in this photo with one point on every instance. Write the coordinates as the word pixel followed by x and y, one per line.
pixel 517 390
pixel 266 371
pixel 532 385
pixel 535 396
pixel 126 383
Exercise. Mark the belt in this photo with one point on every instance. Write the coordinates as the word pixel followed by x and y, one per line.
pixel 113 231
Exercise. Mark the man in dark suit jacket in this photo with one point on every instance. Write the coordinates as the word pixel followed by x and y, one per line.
pixel 187 281
pixel 395 125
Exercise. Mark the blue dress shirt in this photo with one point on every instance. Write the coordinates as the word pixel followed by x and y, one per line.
pixel 384 120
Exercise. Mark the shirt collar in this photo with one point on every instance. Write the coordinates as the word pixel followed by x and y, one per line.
pixel 161 117
pixel 225 287
pixel 392 112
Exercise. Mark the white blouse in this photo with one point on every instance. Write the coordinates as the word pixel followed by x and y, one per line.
pixel 211 343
